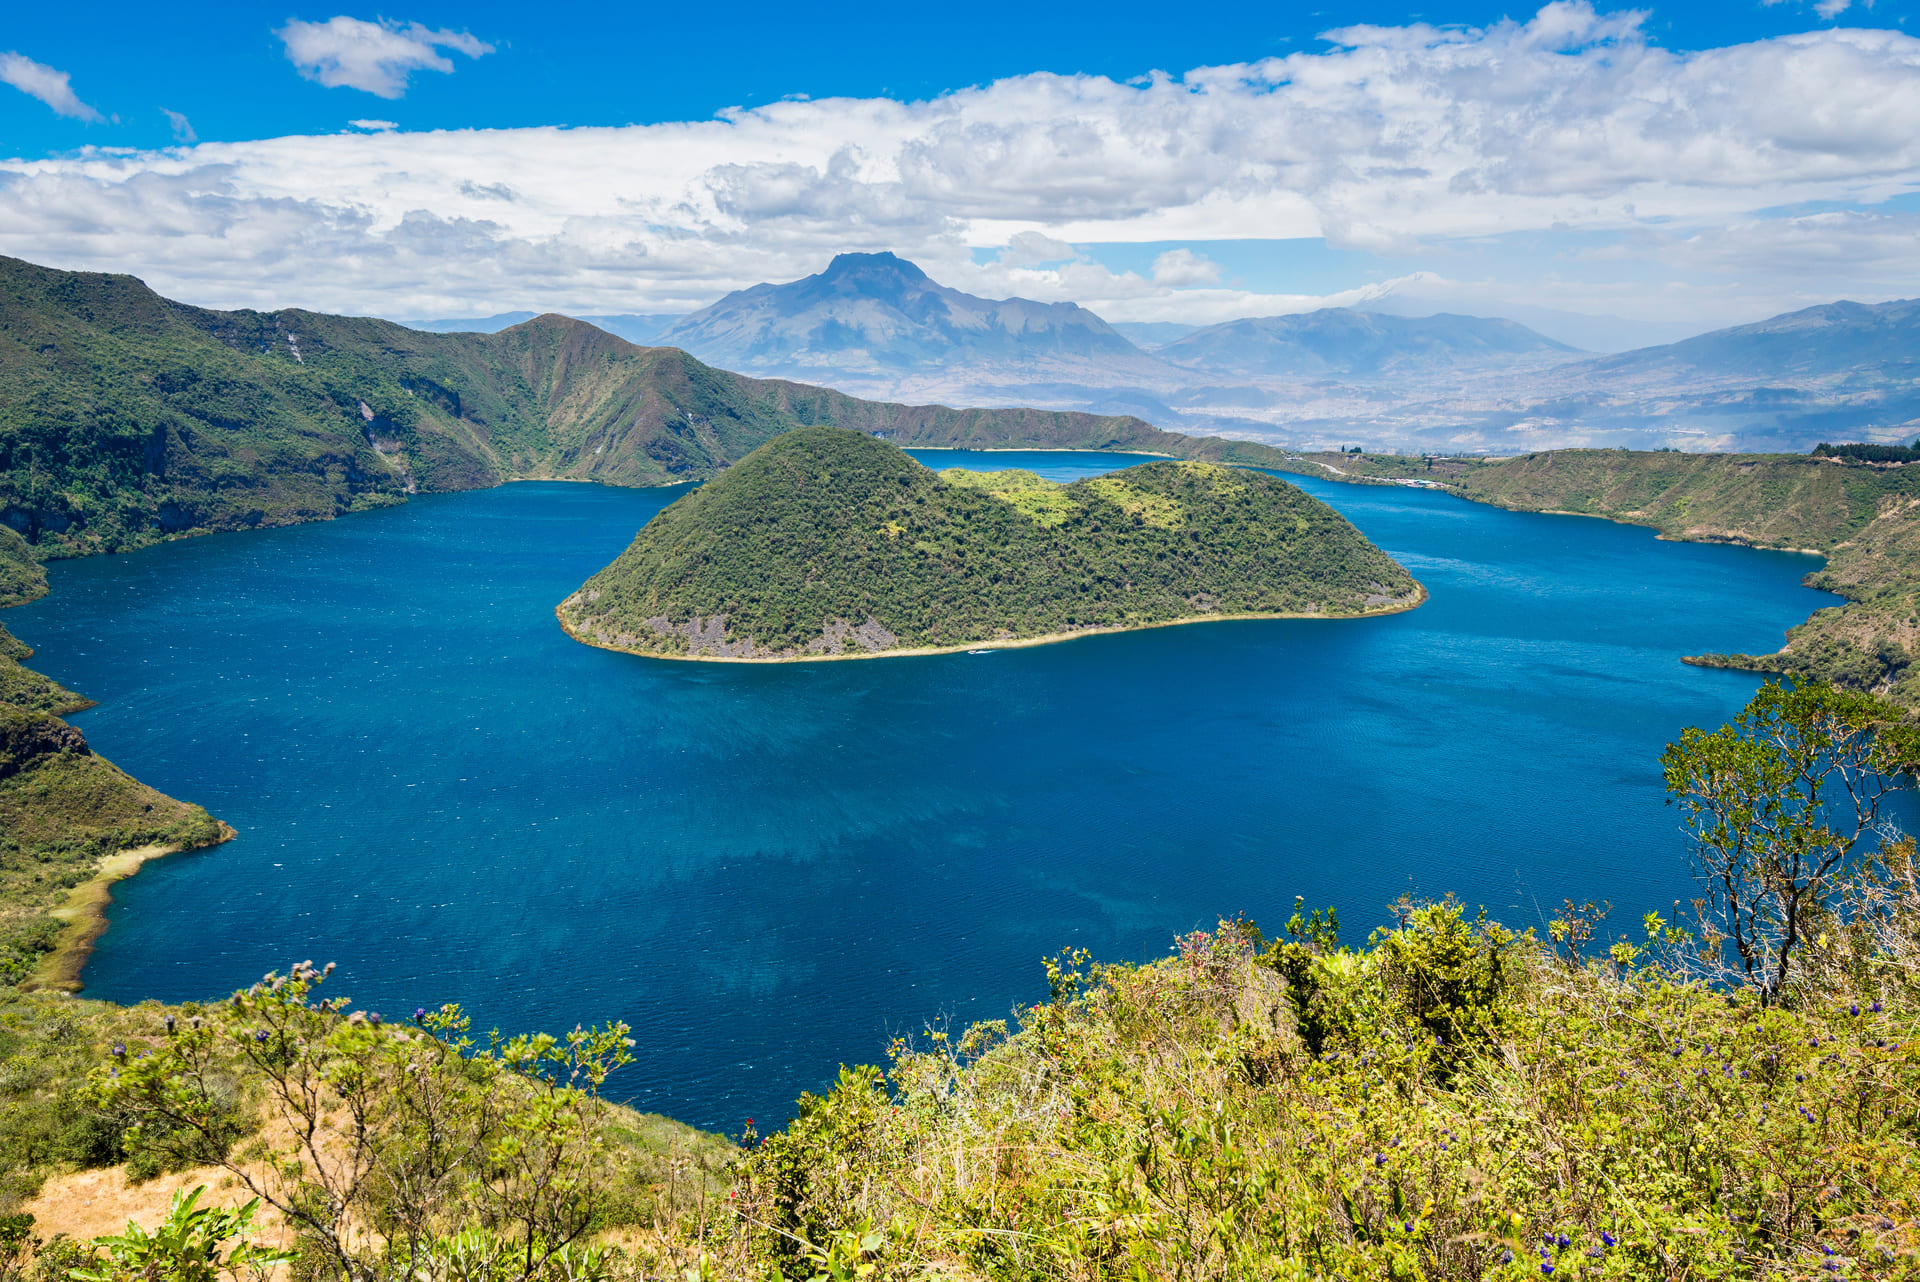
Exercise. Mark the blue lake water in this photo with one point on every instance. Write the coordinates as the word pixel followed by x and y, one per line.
pixel 767 870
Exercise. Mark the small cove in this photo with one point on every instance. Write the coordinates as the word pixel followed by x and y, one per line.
pixel 769 870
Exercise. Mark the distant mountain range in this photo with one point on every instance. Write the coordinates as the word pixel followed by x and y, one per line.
pixel 876 326
pixel 641 330
pixel 1338 340
pixel 1854 340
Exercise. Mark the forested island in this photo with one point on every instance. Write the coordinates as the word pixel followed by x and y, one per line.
pixel 827 542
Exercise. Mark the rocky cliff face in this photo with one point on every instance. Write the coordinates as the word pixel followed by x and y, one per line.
pixel 27 736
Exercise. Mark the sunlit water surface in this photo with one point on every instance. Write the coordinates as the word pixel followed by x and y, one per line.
pixel 767 870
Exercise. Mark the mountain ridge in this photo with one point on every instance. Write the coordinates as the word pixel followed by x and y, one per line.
pixel 126 417
pixel 1343 340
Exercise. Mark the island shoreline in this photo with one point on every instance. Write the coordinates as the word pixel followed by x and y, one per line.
pixel 1019 643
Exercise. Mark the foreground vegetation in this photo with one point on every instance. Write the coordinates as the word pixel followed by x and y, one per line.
pixel 827 540
pixel 375 1150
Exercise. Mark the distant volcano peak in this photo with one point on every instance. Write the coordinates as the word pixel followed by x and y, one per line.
pixel 874 314
pixel 882 264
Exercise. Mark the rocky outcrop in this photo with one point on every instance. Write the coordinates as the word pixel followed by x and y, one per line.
pixel 25 737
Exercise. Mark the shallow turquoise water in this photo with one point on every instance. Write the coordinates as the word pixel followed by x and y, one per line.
pixel 768 870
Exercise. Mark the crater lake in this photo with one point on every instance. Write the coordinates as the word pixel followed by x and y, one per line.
pixel 770 870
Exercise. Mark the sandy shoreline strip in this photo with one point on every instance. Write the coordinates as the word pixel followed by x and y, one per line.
pixel 85 915
pixel 1020 643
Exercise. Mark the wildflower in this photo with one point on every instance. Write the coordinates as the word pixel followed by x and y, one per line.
pixel 373 1017
pixel 1875 1008
pixel 1546 1266
pixel 1506 1257
pixel 1563 1242
pixel 119 1050
pixel 1854 1009
pixel 419 1013
pixel 260 1036
pixel 1608 1239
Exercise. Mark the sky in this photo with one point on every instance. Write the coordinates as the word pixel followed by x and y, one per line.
pixel 1677 166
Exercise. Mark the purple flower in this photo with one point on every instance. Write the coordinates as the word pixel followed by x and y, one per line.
pixel 260 1036
pixel 119 1050
pixel 419 1013
pixel 1607 1239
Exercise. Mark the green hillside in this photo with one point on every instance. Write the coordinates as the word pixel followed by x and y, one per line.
pixel 126 418
pixel 827 541
pixel 1864 517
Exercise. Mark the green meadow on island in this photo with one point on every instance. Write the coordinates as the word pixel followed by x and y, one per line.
pixel 1731 1091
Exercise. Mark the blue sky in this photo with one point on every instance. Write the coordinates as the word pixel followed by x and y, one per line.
pixel 1680 166
pixel 224 69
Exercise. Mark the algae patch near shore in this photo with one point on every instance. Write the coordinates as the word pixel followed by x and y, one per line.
pixel 827 543
pixel 83 917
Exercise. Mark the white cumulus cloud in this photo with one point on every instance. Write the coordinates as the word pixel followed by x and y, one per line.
pixel 1032 248
pixel 1392 139
pixel 377 57
pixel 37 80
pixel 1179 267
